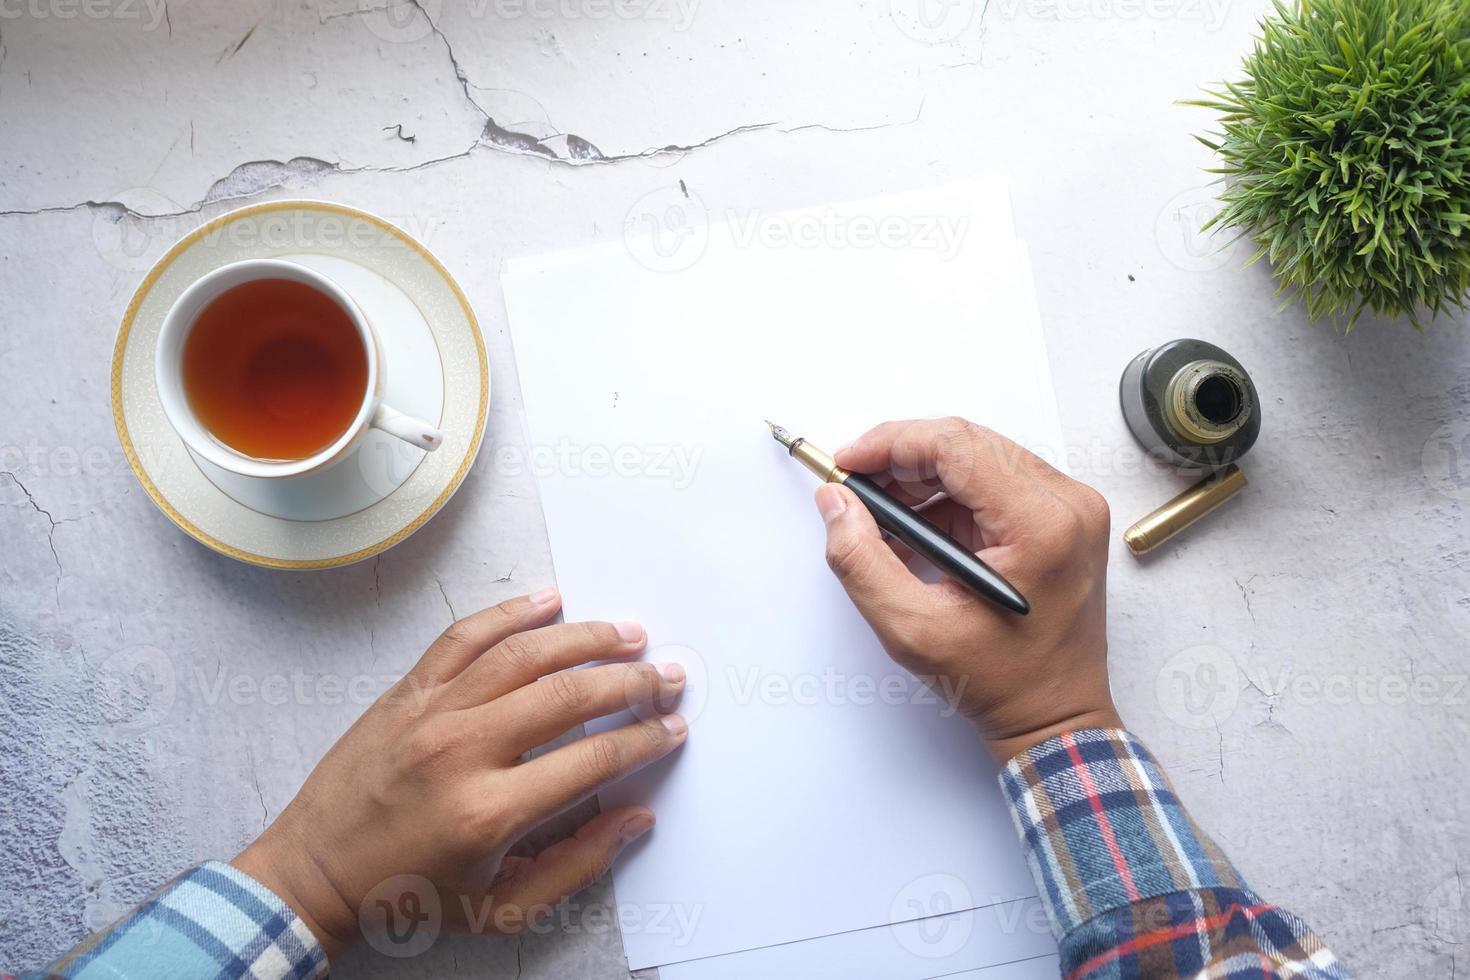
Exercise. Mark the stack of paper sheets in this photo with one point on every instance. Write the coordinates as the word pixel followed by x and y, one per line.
pixel 828 816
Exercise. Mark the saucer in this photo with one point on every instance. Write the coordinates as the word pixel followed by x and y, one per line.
pixel 382 492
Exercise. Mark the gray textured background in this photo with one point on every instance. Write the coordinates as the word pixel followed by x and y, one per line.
pixel 1332 592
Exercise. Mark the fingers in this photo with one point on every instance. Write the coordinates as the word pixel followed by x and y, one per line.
pixel 539 712
pixel 880 585
pixel 911 493
pixel 938 510
pixel 956 520
pixel 536 886
pixel 523 658
pixel 465 640
pixel 561 779
pixel 1007 487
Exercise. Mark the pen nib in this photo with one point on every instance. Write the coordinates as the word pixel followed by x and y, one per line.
pixel 780 435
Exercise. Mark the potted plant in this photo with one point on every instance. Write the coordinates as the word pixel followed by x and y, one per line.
pixel 1345 152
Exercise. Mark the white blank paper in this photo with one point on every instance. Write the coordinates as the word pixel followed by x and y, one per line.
pixel 819 782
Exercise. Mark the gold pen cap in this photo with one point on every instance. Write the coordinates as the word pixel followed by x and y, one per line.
pixel 1184 510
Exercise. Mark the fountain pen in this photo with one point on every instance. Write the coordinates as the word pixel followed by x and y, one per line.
pixel 947 554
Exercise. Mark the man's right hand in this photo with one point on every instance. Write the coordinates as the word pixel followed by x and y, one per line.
pixel 1019 679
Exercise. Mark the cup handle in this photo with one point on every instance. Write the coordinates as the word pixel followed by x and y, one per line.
pixel 411 430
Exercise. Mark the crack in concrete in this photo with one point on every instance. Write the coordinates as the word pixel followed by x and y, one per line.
pixel 1459 905
pixel 245 181
pixel 493 134
pixel 397 130
pixel 453 616
pixel 255 177
pixel 1245 595
pixel 50 531
pixel 258 176
pixel 1221 749
pixel 500 137
pixel 1397 927
pixel 579 150
pixel 84 206
pixel 659 151
pixel 255 779
pixel 459 73
pixel 322 18
pixel 918 114
pixel 248 180
pixel 582 152
pixel 421 165
pixel 227 55
pixel 1270 694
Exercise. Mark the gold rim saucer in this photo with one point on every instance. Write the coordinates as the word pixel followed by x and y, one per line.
pixel 176 511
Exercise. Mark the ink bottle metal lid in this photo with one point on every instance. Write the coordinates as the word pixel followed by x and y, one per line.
pixel 1190 403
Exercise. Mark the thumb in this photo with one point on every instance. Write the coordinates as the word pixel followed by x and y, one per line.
pixel 879 584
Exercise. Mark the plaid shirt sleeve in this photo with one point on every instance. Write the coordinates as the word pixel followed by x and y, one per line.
pixel 1132 887
pixel 212 921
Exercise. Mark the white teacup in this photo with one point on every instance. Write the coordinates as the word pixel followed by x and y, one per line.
pixel 372 413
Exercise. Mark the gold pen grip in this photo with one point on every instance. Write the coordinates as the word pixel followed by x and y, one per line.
pixel 823 465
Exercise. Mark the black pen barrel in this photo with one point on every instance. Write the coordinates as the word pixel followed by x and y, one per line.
pixel 951 557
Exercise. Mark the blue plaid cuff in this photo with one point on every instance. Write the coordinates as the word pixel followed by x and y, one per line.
pixel 212 921
pixel 1102 828
pixel 1132 886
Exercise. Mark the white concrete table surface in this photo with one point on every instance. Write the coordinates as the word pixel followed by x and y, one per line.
pixel 1319 737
